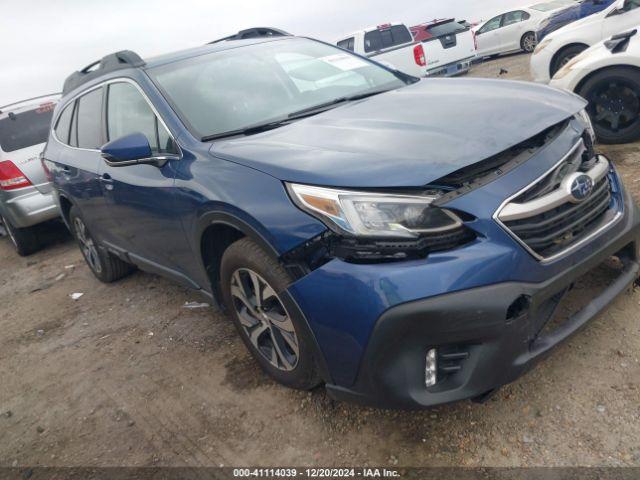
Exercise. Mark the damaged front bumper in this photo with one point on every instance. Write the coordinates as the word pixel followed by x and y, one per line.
pixel 483 306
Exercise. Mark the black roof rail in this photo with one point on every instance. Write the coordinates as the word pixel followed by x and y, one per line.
pixel 26 100
pixel 110 63
pixel 255 32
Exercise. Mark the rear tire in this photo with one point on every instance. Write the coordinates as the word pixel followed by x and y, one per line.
pixel 105 266
pixel 614 104
pixel 24 240
pixel 565 56
pixel 269 324
pixel 528 42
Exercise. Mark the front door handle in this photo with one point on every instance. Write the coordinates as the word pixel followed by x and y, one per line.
pixel 107 181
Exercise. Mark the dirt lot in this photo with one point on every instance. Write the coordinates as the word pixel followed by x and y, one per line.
pixel 125 375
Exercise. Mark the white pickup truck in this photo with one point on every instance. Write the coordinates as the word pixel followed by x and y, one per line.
pixel 439 48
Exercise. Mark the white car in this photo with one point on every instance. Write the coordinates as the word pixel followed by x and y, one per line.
pixel 514 30
pixel 561 46
pixel 607 75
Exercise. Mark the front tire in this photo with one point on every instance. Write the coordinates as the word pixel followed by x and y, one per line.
pixel 614 104
pixel 24 240
pixel 528 42
pixel 105 266
pixel 252 285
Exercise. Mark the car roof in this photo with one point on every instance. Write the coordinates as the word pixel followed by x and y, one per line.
pixel 127 59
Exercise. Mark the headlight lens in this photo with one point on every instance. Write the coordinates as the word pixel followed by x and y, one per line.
pixel 374 215
pixel 584 118
pixel 542 45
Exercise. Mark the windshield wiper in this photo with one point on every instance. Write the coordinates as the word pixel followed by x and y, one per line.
pixel 261 127
pixel 305 112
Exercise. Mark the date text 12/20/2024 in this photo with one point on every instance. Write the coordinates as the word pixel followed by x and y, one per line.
pixel 315 473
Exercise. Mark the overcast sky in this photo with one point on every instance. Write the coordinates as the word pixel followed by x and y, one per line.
pixel 43 41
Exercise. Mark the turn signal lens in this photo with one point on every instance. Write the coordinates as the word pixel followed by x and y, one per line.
pixel 11 177
pixel 431 368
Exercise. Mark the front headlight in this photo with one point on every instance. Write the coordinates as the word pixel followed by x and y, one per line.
pixel 542 45
pixel 585 119
pixel 373 215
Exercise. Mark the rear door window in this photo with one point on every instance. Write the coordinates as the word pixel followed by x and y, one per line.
pixel 22 130
pixel 88 118
pixel 384 38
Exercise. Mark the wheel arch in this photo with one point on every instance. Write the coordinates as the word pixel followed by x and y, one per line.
pixel 564 48
pixel 217 231
pixel 65 208
pixel 592 74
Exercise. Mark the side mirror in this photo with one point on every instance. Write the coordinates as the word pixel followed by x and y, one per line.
pixel 132 149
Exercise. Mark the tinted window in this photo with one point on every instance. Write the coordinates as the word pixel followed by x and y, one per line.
pixel 386 38
pixel 89 120
pixel 492 24
pixel 26 129
pixel 514 17
pixel 128 112
pixel 631 5
pixel 64 122
pixel 234 89
pixel 348 44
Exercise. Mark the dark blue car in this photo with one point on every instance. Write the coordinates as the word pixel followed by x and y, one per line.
pixel 582 9
pixel 403 242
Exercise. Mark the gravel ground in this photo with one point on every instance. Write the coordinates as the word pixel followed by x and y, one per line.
pixel 125 375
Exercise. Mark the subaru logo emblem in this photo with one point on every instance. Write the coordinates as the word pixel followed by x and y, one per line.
pixel 581 187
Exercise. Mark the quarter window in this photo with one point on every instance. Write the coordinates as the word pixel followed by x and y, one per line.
pixel 128 112
pixel 64 123
pixel 88 115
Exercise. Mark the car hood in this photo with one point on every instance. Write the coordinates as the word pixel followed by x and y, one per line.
pixel 405 138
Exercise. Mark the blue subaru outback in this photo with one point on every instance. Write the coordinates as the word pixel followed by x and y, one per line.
pixel 404 242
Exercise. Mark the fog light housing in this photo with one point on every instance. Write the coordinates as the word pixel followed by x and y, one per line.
pixel 431 368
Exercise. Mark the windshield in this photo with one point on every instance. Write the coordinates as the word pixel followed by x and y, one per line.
pixel 25 129
pixel 242 87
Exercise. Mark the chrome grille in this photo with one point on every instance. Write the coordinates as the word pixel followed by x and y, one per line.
pixel 549 218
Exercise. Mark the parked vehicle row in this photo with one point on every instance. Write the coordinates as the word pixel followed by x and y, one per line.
pixel 559 47
pixel 25 193
pixel 445 48
pixel 345 213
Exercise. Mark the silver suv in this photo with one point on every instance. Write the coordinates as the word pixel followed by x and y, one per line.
pixel 25 192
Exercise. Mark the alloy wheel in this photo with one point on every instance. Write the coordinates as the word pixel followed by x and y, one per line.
pixel 87 245
pixel 529 43
pixel 264 319
pixel 615 105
